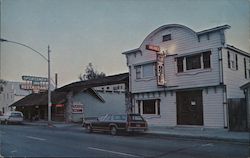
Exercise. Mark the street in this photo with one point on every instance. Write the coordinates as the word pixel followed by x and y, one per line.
pixel 41 141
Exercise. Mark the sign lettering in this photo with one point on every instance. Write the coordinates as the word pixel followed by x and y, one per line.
pixel 160 69
pixel 153 48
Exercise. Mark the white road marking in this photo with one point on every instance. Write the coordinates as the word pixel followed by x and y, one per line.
pixel 209 144
pixel 36 138
pixel 113 152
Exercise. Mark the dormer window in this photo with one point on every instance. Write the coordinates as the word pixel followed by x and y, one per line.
pixel 166 37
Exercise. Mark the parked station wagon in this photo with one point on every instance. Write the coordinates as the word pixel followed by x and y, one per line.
pixel 115 123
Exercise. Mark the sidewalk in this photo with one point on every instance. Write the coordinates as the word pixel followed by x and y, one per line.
pixel 53 124
pixel 177 132
pixel 200 133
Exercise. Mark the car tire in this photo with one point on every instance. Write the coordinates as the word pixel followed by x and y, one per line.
pixel 6 122
pixel 88 128
pixel 113 131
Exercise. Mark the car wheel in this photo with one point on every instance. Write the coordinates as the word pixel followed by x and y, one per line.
pixel 88 129
pixel 113 130
pixel 6 122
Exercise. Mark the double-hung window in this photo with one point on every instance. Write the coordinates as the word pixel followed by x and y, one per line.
pixel 232 60
pixel 180 64
pixel 138 72
pixel 193 62
pixel 145 71
pixel 148 70
pixel 151 106
pixel 247 67
pixel 206 60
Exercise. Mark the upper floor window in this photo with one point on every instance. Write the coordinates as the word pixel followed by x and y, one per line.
pixel 148 70
pixel 193 62
pixel 144 71
pixel 206 60
pixel 138 72
pixel 166 37
pixel 247 68
pixel 180 64
pixel 232 60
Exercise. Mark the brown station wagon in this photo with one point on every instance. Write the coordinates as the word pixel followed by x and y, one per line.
pixel 115 123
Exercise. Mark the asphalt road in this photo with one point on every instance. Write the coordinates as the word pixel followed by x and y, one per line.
pixel 38 141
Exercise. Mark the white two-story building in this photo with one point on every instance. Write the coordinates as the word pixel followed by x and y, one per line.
pixel 182 77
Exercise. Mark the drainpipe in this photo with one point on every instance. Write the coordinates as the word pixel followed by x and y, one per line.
pixel 221 80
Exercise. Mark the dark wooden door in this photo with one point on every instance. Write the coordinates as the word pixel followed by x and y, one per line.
pixel 189 107
pixel 237 109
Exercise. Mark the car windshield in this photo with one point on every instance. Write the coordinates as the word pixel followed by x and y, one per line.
pixel 135 118
pixel 102 117
pixel 16 115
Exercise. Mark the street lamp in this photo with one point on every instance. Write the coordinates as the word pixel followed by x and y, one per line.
pixel 48 60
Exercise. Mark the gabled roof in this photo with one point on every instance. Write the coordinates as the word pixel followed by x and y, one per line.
pixel 108 80
pixel 36 99
pixel 237 50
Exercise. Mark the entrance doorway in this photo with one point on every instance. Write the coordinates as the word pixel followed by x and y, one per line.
pixel 189 107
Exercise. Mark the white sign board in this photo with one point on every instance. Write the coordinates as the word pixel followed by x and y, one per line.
pixel 160 69
pixel 77 108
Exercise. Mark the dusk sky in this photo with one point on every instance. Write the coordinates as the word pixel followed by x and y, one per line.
pixel 98 31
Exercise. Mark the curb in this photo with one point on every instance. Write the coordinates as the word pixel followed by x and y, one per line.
pixel 230 140
pixel 167 136
pixel 46 125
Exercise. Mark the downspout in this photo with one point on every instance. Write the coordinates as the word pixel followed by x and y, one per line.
pixel 221 80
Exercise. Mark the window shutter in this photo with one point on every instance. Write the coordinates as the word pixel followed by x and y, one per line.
pixel 228 59
pixel 245 67
pixel 236 61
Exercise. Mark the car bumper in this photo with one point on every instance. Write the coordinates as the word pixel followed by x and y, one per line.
pixel 137 129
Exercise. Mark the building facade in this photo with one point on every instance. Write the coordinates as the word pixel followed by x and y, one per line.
pixel 73 102
pixel 181 77
pixel 93 98
pixel 10 93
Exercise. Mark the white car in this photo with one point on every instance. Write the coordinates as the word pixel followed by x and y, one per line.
pixel 12 117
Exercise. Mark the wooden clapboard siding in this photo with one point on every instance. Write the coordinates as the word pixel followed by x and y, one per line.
pixel 213 107
pixel 167 115
pixel 192 78
pixel 212 81
pixel 233 79
pixel 183 42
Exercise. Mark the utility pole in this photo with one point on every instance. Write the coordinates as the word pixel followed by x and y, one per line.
pixel 49 81
pixel 49 90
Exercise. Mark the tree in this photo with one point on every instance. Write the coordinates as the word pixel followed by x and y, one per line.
pixel 2 83
pixel 91 73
